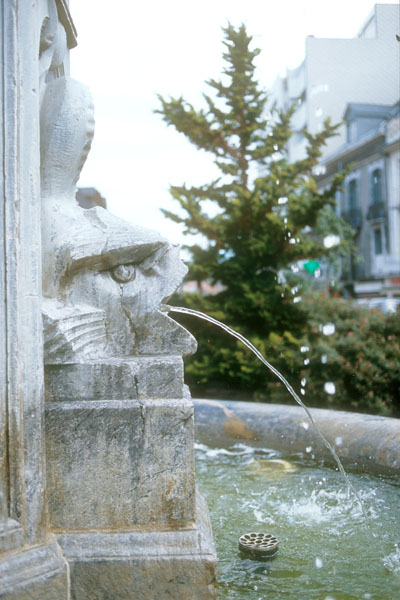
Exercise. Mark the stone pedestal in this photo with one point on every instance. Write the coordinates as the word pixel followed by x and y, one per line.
pixel 152 563
pixel 120 481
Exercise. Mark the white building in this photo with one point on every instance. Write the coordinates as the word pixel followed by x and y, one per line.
pixel 335 72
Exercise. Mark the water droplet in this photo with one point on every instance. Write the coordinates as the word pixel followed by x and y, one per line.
pixel 324 359
pixel 319 563
pixel 309 449
pixel 297 299
pixel 338 441
pixel 303 381
pixel 306 361
pixel 292 241
pixel 305 425
pixel 256 587
pixel 331 240
pixel 330 388
pixel 285 220
pixel 328 329
pixel 303 392
pixel 276 147
pixel 304 348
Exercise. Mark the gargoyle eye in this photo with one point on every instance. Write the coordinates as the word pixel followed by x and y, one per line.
pixel 123 273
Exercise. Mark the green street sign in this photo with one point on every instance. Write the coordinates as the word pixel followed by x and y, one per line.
pixel 311 266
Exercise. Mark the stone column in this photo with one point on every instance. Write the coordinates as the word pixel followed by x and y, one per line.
pixel 31 564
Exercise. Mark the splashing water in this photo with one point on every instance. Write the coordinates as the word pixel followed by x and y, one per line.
pixel 249 345
pixel 312 514
pixel 392 561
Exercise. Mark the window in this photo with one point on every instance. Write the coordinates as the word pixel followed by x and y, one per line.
pixel 376 186
pixel 376 209
pixel 352 194
pixel 378 246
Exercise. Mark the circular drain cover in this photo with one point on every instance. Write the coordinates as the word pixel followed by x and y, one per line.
pixel 258 546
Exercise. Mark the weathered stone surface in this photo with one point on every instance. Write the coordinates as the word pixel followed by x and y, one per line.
pixel 116 378
pixel 120 464
pixel 22 470
pixel 34 573
pixel 151 565
pixel 72 333
pixel 11 534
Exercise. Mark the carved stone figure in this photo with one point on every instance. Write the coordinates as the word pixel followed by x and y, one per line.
pixel 104 280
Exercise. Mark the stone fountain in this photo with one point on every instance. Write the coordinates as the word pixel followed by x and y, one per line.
pixel 117 514
pixel 97 493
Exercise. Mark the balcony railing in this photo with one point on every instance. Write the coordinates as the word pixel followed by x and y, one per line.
pixel 353 217
pixel 376 211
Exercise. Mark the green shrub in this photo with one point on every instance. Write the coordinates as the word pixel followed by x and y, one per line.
pixel 362 356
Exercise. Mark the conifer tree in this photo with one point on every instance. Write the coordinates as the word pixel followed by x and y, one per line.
pixel 269 215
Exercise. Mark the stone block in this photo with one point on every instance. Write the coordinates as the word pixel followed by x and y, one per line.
pixel 120 464
pixel 34 573
pixel 116 378
pixel 153 565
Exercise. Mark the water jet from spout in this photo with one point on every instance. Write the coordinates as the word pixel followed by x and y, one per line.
pixel 249 345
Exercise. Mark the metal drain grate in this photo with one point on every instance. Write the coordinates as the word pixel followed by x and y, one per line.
pixel 258 546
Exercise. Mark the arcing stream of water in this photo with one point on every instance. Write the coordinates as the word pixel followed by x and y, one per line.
pixel 245 341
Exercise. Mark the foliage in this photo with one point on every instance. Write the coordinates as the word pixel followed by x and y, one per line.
pixel 362 357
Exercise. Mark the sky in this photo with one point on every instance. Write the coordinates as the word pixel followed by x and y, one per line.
pixel 130 51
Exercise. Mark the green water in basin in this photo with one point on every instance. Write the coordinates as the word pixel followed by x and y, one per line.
pixel 326 552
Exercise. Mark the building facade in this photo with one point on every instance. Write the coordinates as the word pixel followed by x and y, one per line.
pixel 364 69
pixel 370 201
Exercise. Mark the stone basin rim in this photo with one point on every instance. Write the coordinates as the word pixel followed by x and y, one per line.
pixel 362 441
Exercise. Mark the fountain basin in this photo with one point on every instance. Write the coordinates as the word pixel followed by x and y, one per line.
pixel 262 468
pixel 367 442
